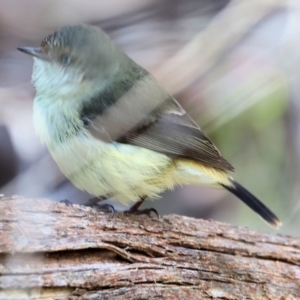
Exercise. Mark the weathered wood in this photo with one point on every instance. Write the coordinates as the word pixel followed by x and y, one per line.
pixel 53 251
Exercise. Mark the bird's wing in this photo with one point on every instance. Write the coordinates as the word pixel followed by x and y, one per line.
pixel 159 124
pixel 172 132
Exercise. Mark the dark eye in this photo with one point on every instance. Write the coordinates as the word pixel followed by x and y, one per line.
pixel 65 59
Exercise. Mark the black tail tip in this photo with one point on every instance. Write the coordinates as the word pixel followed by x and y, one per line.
pixel 255 204
pixel 275 223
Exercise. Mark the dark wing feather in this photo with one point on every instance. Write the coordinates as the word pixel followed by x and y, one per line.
pixel 172 133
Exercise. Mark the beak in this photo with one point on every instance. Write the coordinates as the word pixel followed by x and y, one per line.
pixel 36 52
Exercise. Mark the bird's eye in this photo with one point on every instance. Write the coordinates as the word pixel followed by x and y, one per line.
pixel 65 59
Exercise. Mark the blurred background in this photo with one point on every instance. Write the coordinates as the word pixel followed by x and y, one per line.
pixel 233 65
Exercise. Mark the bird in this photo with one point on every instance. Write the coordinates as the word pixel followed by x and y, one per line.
pixel 113 130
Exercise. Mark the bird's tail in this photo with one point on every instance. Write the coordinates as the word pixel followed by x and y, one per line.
pixel 249 199
pixel 187 172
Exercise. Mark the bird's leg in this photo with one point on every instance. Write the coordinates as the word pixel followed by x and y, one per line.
pixel 135 208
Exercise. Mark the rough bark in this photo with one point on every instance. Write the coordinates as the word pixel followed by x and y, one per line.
pixel 53 251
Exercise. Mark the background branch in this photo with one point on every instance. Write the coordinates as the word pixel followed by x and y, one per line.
pixel 53 251
pixel 208 46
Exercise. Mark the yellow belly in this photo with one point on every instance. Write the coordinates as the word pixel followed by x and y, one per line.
pixel 125 172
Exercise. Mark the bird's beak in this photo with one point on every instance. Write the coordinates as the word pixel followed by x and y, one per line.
pixel 36 52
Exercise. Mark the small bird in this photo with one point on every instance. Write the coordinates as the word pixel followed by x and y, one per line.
pixel 113 130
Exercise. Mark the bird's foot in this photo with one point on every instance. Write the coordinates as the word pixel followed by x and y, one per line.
pixel 102 207
pixel 134 210
pixel 66 201
pixel 94 204
pixel 146 211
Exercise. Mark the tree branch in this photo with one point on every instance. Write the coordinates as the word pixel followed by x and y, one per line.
pixel 235 21
pixel 53 251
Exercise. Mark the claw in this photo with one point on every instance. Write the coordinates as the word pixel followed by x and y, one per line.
pixel 66 201
pixel 106 207
pixel 102 207
pixel 146 211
